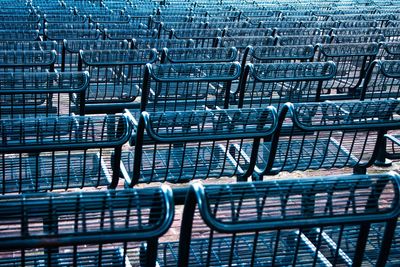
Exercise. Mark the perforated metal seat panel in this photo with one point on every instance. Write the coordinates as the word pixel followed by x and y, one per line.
pixel 320 153
pixel 182 163
pixel 256 250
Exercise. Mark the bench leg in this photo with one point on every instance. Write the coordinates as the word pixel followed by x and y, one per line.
pixel 359 170
pixel 50 225
pixel 381 160
pixel 389 235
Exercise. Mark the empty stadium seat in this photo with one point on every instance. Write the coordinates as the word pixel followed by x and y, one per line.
pixel 101 228
pixel 59 153
pixel 27 60
pixel 327 135
pixel 181 146
pixel 42 94
pixel 352 61
pixel 322 221
pixel 277 83
pixel 115 78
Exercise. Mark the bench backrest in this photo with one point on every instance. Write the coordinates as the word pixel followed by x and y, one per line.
pixel 188 86
pixel 382 80
pixel 277 83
